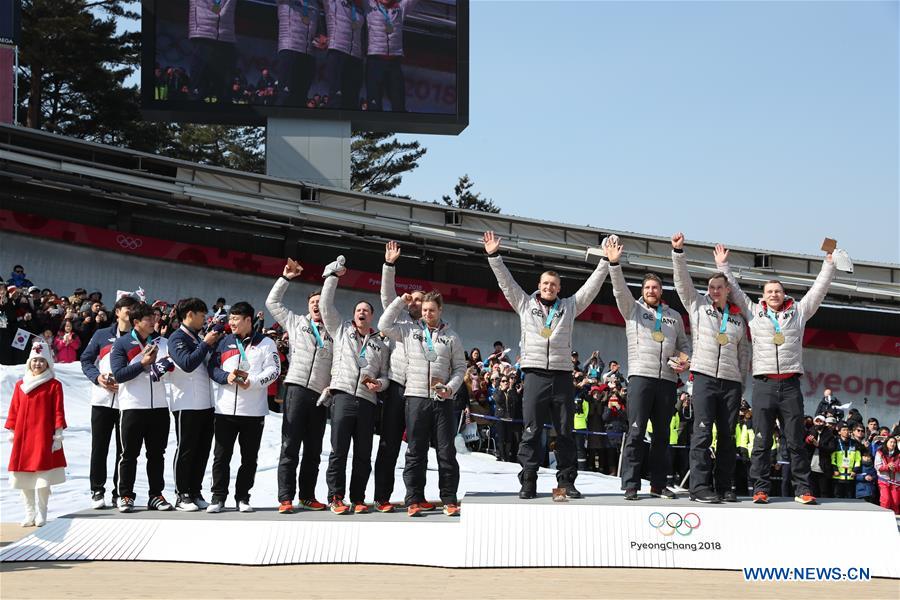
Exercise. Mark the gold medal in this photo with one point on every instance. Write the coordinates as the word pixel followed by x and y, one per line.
pixel 778 338
pixel 546 332
pixel 722 338
pixel 658 336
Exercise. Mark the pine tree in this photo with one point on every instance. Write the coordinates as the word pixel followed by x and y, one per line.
pixel 465 198
pixel 241 148
pixel 378 161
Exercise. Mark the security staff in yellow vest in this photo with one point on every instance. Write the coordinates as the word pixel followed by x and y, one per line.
pixel 582 408
pixel 847 463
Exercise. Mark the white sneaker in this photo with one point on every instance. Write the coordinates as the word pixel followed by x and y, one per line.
pixel 215 507
pixel 97 501
pixel 201 503
pixel 28 521
pixel 186 504
pixel 245 507
pixel 40 519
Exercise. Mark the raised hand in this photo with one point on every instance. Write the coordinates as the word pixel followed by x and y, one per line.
pixel 491 242
pixel 614 250
pixel 720 254
pixel 391 252
pixel 407 299
pixel 829 258
pixel 678 241
pixel 291 269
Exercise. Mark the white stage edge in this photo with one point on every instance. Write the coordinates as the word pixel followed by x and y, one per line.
pixel 495 530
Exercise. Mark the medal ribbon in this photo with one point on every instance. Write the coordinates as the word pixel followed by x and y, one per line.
pixel 137 339
pixel 428 339
pixel 773 317
pixel 353 11
pixel 552 314
pixel 305 8
pixel 362 352
pixel 658 326
pixel 724 324
pixel 384 13
pixel 318 337
pixel 240 347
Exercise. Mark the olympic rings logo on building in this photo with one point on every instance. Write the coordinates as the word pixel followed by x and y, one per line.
pixel 673 523
pixel 129 243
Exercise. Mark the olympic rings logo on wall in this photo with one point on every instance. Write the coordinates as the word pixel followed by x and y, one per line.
pixel 129 243
pixel 673 523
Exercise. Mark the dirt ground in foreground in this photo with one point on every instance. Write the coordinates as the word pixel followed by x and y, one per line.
pixel 170 581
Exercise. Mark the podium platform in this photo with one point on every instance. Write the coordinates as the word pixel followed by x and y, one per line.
pixel 495 530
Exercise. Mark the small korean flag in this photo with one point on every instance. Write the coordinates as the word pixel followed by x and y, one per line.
pixel 21 339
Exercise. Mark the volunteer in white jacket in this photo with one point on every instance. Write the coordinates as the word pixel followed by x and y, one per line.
pixel 720 365
pixel 436 365
pixel 547 323
pixel 656 338
pixel 358 372
pixel 104 404
pixel 138 363
pixel 191 402
pixel 309 372
pixel 777 324
pixel 243 365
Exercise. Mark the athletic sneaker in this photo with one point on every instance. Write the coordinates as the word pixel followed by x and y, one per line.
pixel 663 493
pixel 244 506
pixel 126 505
pixel 216 506
pixel 631 494
pixel 97 501
pixel 414 510
pixel 426 505
pixel 451 510
pixel 360 508
pixel 115 501
pixel 706 497
pixel 158 503
pixel 337 506
pixel 384 507
pixel 730 496
pixel 311 504
pixel 185 503
pixel 806 498
pixel 201 502
pixel 760 498
pixel 286 507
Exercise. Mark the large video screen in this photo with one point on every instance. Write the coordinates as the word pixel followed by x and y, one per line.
pixel 384 65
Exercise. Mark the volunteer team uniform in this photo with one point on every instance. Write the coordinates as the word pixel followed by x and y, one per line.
pixel 353 410
pixel 104 411
pixel 546 359
pixel 393 408
pixel 303 421
pixel 143 417
pixel 240 414
pixel 191 402
pixel 777 367
pixel 654 335
pixel 719 364
pixel 433 355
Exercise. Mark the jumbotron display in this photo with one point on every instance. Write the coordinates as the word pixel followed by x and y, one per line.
pixel 390 65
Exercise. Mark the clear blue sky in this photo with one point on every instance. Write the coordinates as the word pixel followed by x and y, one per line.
pixel 760 124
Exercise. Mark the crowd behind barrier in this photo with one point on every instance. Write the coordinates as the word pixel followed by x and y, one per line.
pixel 849 457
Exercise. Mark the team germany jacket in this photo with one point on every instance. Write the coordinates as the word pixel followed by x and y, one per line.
pixel 449 365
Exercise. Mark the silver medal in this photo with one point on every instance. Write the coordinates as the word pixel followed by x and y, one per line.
pixel 361 361
pixel 430 355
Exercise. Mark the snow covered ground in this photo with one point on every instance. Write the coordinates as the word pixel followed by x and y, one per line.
pixel 478 472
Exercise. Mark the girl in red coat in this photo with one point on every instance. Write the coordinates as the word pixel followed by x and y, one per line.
pixel 887 464
pixel 36 420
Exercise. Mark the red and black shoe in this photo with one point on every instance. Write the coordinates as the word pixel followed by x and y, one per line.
pixel 337 506
pixel 384 507
pixel 806 498
pixel 311 504
pixel 760 498
pixel 426 505
pixel 360 508
pixel 414 510
pixel 286 507
pixel 451 510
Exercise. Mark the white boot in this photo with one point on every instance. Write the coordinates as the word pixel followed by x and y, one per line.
pixel 28 499
pixel 43 494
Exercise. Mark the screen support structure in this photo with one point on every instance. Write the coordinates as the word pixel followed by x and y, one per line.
pixel 309 150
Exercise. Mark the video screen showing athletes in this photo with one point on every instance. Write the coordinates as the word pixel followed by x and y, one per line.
pixel 373 55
